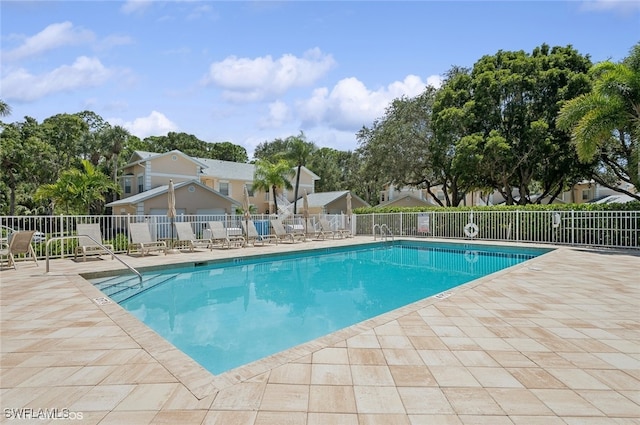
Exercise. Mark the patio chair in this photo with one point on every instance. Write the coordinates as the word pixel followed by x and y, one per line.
pixel 90 241
pixel 326 227
pixel 186 236
pixel 282 234
pixel 142 241
pixel 219 234
pixel 313 233
pixel 19 243
pixel 254 237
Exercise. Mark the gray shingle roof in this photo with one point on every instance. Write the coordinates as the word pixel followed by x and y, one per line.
pixel 162 190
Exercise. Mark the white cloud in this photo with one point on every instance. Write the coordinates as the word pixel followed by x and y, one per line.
pixel 624 7
pixel 155 124
pixel 246 80
pixel 133 6
pixel 52 37
pixel 434 81
pixel 113 41
pixel 279 113
pixel 22 86
pixel 350 104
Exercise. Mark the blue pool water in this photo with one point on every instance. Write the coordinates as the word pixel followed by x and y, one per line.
pixel 229 314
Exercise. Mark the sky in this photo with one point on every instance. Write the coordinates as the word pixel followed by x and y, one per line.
pixel 248 72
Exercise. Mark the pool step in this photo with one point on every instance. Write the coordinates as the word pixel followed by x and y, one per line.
pixel 126 289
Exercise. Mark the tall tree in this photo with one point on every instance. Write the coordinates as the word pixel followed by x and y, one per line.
pixel 514 101
pixel 401 148
pixel 227 151
pixel 271 151
pixel 64 132
pixel 605 123
pixel 298 151
pixel 26 161
pixel 272 176
pixel 5 109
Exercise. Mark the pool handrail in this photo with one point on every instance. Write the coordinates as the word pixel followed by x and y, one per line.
pixel 383 233
pixel 99 243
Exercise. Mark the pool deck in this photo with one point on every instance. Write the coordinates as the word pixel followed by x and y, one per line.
pixel 555 340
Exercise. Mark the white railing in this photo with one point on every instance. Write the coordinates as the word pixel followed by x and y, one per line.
pixel 612 229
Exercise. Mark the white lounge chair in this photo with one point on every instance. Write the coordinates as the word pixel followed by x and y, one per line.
pixel 90 241
pixel 326 227
pixel 254 237
pixel 317 233
pixel 19 243
pixel 219 234
pixel 282 234
pixel 186 236
pixel 142 241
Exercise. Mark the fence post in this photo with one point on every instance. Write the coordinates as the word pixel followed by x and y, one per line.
pixel 61 234
pixel 573 227
pixel 517 229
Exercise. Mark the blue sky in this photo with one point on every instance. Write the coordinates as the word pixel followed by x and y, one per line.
pixel 249 72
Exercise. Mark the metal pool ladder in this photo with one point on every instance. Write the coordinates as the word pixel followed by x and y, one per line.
pixel 385 232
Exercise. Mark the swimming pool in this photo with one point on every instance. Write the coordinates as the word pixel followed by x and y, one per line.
pixel 227 314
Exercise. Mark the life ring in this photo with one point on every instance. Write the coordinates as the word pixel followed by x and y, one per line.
pixel 471 256
pixel 471 230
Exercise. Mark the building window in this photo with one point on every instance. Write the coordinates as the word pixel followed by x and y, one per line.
pixel 127 185
pixel 249 189
pixel 440 195
pixel 224 188
pixel 585 194
pixel 140 184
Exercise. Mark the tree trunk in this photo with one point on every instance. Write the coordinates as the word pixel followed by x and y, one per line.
pixel 275 200
pixel 295 195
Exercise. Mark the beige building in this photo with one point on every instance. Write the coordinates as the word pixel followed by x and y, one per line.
pixel 214 186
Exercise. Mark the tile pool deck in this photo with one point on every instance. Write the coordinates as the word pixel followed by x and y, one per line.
pixel 555 340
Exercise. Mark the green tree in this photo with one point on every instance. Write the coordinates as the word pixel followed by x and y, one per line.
pixel 5 109
pixel 227 151
pixel 328 164
pixel 513 101
pixel 298 152
pixel 272 176
pixel 605 123
pixel 401 149
pixel 65 132
pixel 78 191
pixel 25 162
pixel 271 151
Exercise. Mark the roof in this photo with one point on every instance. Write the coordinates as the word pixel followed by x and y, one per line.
pixel 615 199
pixel 162 190
pixel 417 201
pixel 212 167
pixel 321 199
pixel 146 156
pixel 227 169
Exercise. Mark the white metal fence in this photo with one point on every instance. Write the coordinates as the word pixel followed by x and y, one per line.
pixel 614 229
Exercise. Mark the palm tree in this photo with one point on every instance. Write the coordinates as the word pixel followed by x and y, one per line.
pixel 5 109
pixel 605 122
pixel 77 191
pixel 299 151
pixel 270 176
